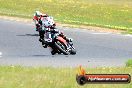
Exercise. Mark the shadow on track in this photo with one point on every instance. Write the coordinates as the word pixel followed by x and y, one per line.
pixel 57 55
pixel 29 35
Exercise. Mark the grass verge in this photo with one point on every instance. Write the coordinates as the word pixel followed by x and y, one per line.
pixel 48 77
pixel 129 63
pixel 115 14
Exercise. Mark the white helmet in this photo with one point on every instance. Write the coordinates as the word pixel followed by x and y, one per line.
pixel 37 13
pixel 48 21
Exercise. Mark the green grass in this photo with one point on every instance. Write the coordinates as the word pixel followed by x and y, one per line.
pixel 115 14
pixel 49 77
pixel 129 63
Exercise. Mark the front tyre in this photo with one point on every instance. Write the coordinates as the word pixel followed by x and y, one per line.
pixel 73 51
pixel 61 47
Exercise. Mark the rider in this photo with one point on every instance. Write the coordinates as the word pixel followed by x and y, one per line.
pixel 38 22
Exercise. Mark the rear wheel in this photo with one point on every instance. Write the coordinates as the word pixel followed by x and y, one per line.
pixel 61 47
pixel 53 52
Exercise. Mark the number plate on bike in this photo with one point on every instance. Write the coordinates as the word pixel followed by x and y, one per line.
pixel 48 37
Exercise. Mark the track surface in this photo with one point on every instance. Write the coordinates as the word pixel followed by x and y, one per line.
pixel 19 45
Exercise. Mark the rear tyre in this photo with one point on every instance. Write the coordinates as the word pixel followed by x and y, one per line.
pixel 53 52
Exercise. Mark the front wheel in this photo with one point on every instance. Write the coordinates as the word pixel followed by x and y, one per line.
pixel 73 51
pixel 61 47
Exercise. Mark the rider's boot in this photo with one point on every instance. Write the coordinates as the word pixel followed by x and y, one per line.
pixel 44 45
pixel 43 42
pixel 40 39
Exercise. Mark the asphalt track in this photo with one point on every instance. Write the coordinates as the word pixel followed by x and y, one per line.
pixel 19 45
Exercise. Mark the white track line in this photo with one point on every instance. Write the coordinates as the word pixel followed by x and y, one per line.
pixel 128 35
pixel 100 33
pixel 0 54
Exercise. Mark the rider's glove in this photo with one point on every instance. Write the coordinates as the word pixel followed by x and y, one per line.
pixel 56 30
pixel 70 39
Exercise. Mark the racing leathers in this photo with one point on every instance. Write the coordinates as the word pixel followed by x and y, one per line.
pixel 40 28
pixel 38 24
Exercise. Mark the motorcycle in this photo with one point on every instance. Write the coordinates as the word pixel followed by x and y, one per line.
pixel 53 39
pixel 57 43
